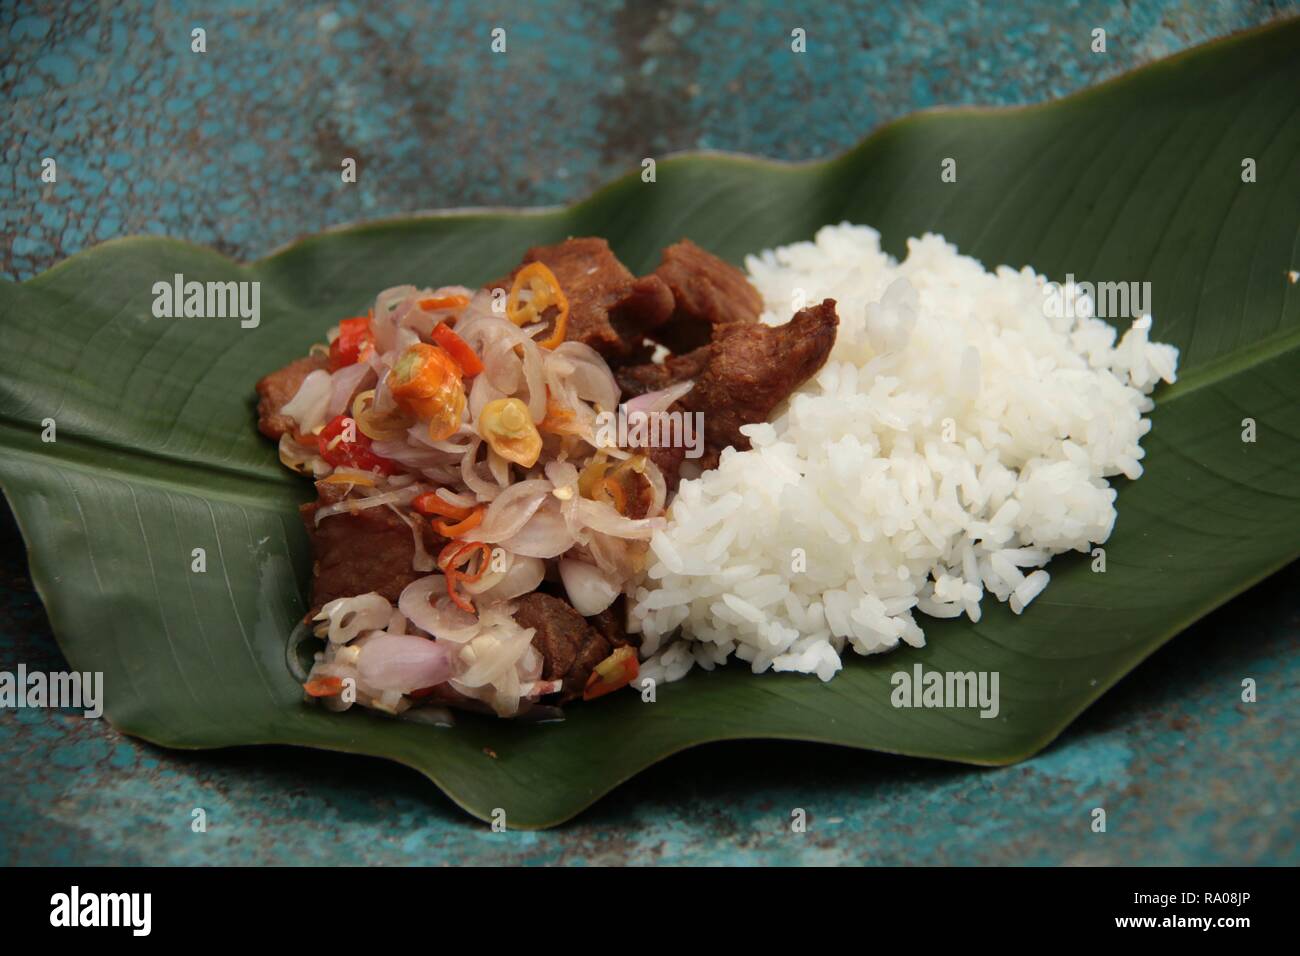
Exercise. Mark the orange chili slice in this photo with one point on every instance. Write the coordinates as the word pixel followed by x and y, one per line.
pixel 348 480
pixel 617 670
pixel 458 349
pixel 443 302
pixel 557 334
pixel 465 554
pixel 456 530
pixel 430 503
pixel 537 278
pixel 456 599
pixel 425 382
pixel 508 428
pixel 450 560
pixel 324 686
pixel 559 419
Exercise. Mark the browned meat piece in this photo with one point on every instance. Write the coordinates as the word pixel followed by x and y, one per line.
pixel 609 308
pixel 753 368
pixel 707 292
pixel 355 553
pixel 611 624
pixel 647 305
pixel 740 377
pixel 570 647
pixel 636 380
pixel 669 460
pixel 278 389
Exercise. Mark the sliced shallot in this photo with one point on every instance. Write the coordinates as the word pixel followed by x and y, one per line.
pixel 310 403
pixel 522 577
pixel 657 401
pixel 349 616
pixel 343 385
pixel 545 535
pixel 590 591
pixel 404 662
pixel 439 617
pixel 510 510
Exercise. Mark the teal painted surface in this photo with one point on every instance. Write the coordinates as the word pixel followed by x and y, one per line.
pixel 240 148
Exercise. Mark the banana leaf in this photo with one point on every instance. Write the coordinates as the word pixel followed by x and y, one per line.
pixel 154 451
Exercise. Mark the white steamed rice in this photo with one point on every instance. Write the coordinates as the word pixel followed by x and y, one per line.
pixel 957 438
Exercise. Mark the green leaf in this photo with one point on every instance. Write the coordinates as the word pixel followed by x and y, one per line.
pixel 1139 179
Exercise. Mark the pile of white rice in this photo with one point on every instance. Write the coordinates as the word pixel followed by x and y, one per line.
pixel 958 437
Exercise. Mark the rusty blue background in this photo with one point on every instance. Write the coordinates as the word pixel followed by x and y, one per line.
pixel 240 148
